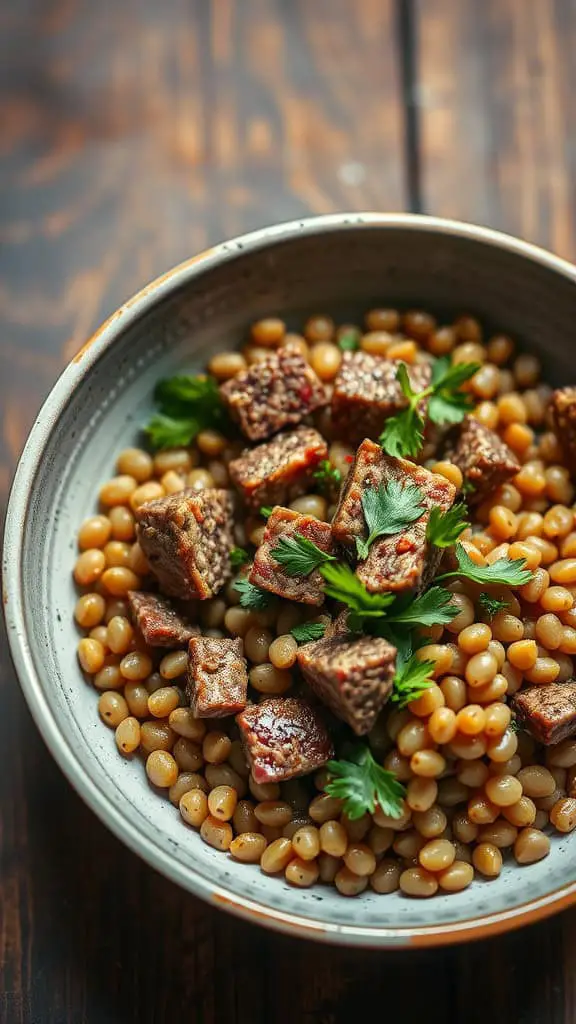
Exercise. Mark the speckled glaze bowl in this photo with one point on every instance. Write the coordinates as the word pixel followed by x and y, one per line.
pixel 342 264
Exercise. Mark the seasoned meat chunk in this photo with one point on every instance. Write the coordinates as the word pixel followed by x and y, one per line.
pixel 273 393
pixel 404 560
pixel 269 574
pixel 548 712
pixel 187 538
pixel 159 622
pixel 217 676
pixel 563 410
pixel 278 471
pixel 283 737
pixel 485 461
pixel 352 675
pixel 366 393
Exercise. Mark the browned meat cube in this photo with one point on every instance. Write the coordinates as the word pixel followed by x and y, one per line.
pixel 563 410
pixel 366 393
pixel 352 675
pixel 548 712
pixel 274 393
pixel 217 676
pixel 187 538
pixel 267 573
pixel 278 471
pixel 283 737
pixel 158 620
pixel 486 462
pixel 404 560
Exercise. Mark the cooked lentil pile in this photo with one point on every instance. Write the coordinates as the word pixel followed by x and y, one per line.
pixel 331 605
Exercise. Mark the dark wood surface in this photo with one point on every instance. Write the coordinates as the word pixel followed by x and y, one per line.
pixel 132 134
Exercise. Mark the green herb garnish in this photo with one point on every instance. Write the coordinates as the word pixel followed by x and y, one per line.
pixel 432 608
pixel 238 557
pixel 492 605
pixel 508 572
pixel 343 585
pixel 187 405
pixel 299 556
pixel 413 679
pixel 467 487
pixel 327 476
pixel 308 631
pixel 349 341
pixel 388 510
pixel 251 596
pixel 362 784
pixel 403 434
pixel 266 511
pixel 444 528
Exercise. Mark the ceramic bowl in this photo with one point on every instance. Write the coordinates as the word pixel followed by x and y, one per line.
pixel 342 264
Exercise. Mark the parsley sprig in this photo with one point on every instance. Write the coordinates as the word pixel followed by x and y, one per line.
pixel 388 510
pixel 252 596
pixel 444 528
pixel 327 476
pixel 238 557
pixel 299 556
pixel 403 434
pixel 308 631
pixel 186 405
pixel 342 584
pixel 412 680
pixel 508 572
pixel 492 605
pixel 362 784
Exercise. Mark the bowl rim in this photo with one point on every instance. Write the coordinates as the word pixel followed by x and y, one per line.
pixel 46 720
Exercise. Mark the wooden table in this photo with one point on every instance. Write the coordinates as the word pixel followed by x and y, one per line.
pixel 132 134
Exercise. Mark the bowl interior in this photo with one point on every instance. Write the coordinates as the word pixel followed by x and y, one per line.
pixel 97 409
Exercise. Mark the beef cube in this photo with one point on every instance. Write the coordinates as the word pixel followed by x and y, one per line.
pixel 402 561
pixel 548 712
pixel 159 622
pixel 280 390
pixel 278 471
pixel 563 411
pixel 485 461
pixel 366 393
pixel 187 538
pixel 352 675
pixel 267 573
pixel 217 676
pixel 283 737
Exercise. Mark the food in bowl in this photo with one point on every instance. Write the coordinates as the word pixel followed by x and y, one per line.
pixel 331 604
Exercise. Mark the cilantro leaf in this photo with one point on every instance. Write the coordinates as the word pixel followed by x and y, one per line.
pixel 363 784
pixel 170 432
pixel 509 572
pixel 343 585
pixel 308 631
pixel 266 511
pixel 238 557
pixel 447 403
pixel 299 556
pixel 186 389
pixel 388 510
pixel 403 434
pixel 327 476
pixel 414 677
pixel 349 339
pixel 250 595
pixel 432 608
pixel 444 528
pixel 447 375
pixel 492 605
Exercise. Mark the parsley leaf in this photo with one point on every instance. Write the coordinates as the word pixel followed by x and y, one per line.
pixel 299 556
pixel 388 510
pixel 343 585
pixel 187 405
pixel 250 595
pixel 510 572
pixel 308 631
pixel 403 434
pixel 444 528
pixel 363 784
pixel 492 605
pixel 327 476
pixel 238 557
pixel 414 677
pixel 432 608
pixel 266 511
pixel 349 340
